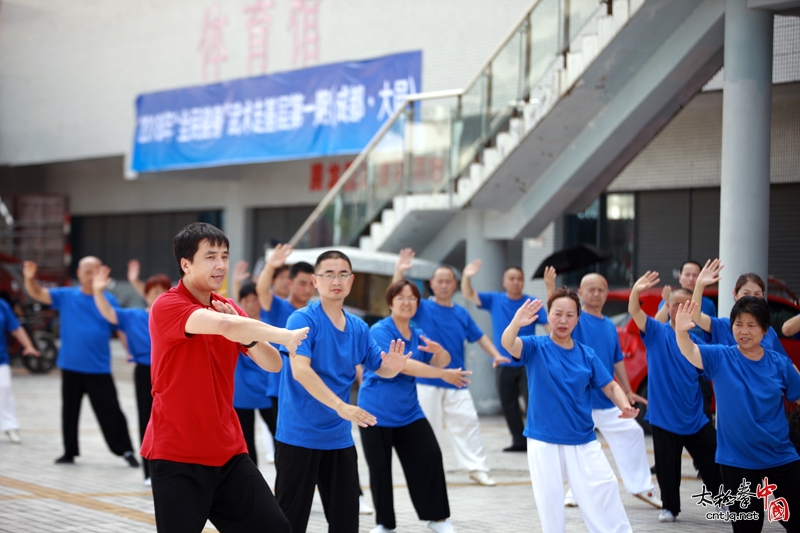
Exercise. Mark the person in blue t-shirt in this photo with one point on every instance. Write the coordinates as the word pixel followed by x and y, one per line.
pixel 718 330
pixel 401 423
pixel 134 323
pixel 84 359
pixel 687 278
pixel 314 442
pixel 624 436
pixel 751 382
pixel 511 380
pixel 8 410
pixel 675 408
pixel 561 441
pixel 446 407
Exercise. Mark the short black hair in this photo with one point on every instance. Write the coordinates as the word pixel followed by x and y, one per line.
pixel 246 290
pixel 752 305
pixel 397 287
pixel 186 242
pixel 444 267
pixel 304 268
pixel 331 254
pixel 690 262
pixel 278 271
pixel 514 267
pixel 742 280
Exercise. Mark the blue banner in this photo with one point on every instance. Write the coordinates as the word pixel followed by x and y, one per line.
pixel 319 111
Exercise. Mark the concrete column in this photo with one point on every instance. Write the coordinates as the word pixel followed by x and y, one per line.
pixel 493 255
pixel 234 221
pixel 746 126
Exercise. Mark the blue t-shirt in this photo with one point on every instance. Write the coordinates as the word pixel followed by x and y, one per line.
pixel 134 323
pixel 8 323
pixel 600 334
pixel 707 307
pixel 721 334
pixel 85 334
pixel 303 420
pixel 559 385
pixel 392 401
pixel 277 316
pixel 250 385
pixel 675 402
pixel 752 430
pixel 450 327
pixel 502 310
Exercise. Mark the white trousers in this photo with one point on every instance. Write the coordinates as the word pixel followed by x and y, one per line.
pixel 591 479
pixel 454 411
pixel 8 409
pixel 625 437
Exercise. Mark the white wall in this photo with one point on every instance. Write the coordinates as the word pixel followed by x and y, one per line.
pixel 70 70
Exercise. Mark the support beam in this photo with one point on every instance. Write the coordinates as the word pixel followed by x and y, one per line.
pixel 746 126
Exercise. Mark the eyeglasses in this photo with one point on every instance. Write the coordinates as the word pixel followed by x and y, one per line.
pixel 403 299
pixel 329 276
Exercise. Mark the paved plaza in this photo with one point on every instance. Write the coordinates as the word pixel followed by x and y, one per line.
pixel 100 493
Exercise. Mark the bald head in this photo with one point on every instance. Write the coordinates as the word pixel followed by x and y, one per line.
pixel 593 292
pixel 89 260
pixel 87 268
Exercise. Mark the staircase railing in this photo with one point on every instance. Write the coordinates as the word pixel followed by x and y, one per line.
pixel 432 138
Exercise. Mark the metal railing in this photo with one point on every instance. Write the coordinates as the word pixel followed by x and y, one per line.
pixel 432 138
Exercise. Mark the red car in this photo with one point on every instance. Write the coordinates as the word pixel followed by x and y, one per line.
pixel 616 308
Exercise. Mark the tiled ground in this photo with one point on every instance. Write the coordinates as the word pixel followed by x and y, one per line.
pixel 101 494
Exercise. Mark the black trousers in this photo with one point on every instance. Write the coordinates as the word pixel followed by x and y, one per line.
pixel 235 497
pixel 103 397
pixel 144 404
pixel 667 449
pixel 333 472
pixel 787 481
pixel 247 419
pixel 512 382
pixel 274 408
pixel 421 459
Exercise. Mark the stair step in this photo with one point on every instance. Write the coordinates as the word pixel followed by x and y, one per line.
pixel 365 243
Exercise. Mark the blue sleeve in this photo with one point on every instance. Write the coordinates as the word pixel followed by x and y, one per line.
pixel 124 317
pixel 530 345
pixel 653 331
pixel 381 335
pixel 708 307
pixel 600 376
pixel 776 342
pixel 617 348
pixel 711 356
pixel 58 294
pixel 111 299
pixel 792 391
pixel 297 321
pixel 487 299
pixel 474 333
pixel 371 354
pixel 11 322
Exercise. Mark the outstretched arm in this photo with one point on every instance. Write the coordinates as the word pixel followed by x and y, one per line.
pixel 466 282
pixel 25 341
pixel 393 361
pixel 99 284
pixel 134 273
pixel 264 284
pixel 403 264
pixel 263 353
pixel 650 279
pixel 622 378
pixel 663 313
pixel 440 357
pixel 616 395
pixel 491 350
pixel 34 290
pixel 683 323
pixel 525 316
pixel 549 281
pixel 454 376
pixel 791 327
pixel 709 275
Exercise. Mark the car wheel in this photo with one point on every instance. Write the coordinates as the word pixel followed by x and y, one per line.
pixel 643 408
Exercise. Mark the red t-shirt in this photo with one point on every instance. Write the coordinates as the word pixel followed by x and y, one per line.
pixel 193 420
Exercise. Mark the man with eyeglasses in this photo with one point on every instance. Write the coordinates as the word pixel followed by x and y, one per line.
pixel 315 445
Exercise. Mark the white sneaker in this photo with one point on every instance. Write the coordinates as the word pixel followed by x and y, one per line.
pixel 666 516
pixel 148 482
pixel 364 508
pixel 648 496
pixel 271 459
pixel 482 478
pixel 442 527
pixel 13 436
pixel 381 529
pixel 569 500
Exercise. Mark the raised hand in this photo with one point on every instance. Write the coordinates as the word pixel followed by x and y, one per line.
pixel 527 313
pixel 472 269
pixel 629 412
pixel 101 279
pixel 29 269
pixel 296 338
pixel 430 346
pixel 394 358
pixel 356 414
pixel 665 292
pixel 240 272
pixel 650 279
pixel 550 278
pixel 279 255
pixel 134 270
pixel 709 274
pixel 683 318
pixel 404 259
pixel 456 376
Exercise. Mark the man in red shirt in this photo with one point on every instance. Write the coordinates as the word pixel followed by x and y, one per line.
pixel 200 468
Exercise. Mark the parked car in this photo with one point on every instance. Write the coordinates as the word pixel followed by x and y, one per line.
pixel 635 354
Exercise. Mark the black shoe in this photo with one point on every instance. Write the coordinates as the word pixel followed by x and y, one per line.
pixel 65 460
pixel 132 462
pixel 516 448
